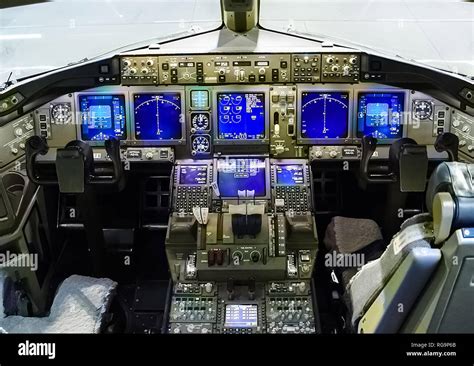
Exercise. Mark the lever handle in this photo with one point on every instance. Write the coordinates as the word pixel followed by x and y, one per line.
pixel 36 145
pixel 369 145
pixel 448 142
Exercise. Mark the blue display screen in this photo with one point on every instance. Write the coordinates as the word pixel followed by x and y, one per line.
pixel 102 117
pixel 380 115
pixel 158 116
pixel 235 175
pixel 324 115
pixel 241 116
pixel 193 174
pixel 290 175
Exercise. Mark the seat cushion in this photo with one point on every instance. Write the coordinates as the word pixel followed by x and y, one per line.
pixel 365 285
pixel 79 306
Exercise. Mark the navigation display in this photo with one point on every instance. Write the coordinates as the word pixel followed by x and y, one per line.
pixel 324 115
pixel 102 117
pixel 380 115
pixel 241 316
pixel 158 116
pixel 193 174
pixel 290 175
pixel 241 116
pixel 235 175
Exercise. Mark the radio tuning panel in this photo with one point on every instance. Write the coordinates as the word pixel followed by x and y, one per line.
pixel 306 68
pixel 139 70
pixel 340 68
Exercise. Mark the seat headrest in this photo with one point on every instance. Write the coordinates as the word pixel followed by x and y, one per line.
pixel 450 197
pixel 453 177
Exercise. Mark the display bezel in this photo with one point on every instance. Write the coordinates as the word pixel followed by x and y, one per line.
pixel 240 89
pixel 78 117
pixel 406 111
pixel 157 90
pixel 267 176
pixel 324 89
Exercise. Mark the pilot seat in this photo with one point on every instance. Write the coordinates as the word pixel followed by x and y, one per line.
pixel 381 293
pixel 81 305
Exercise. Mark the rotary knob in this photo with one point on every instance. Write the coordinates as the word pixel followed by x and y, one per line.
pixel 302 286
pixel 133 71
pixel 208 287
pixel 462 143
pixel 335 68
pixel 237 257
pixel 318 154
pixel 333 153
pixel 261 71
pixel 353 60
pixel 14 150
pixel 149 62
pixel 127 63
pixel 470 148
pixel 144 71
pixel 456 123
pixel 330 59
pixel 18 132
pixel 255 256
pixel 149 155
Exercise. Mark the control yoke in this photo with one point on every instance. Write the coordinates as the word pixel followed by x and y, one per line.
pixel 369 144
pixel 74 165
pixel 449 143
pixel 408 164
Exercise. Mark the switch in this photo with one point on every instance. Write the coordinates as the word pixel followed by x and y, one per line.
pixel 211 258
pixel 208 287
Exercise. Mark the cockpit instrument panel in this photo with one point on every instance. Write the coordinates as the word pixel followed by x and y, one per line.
pixel 241 116
pixel 242 177
pixel 381 114
pixel 102 116
pixel 193 175
pixel 158 116
pixel 324 115
pixel 290 175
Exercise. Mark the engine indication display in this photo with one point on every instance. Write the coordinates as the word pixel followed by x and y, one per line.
pixel 241 116
pixel 158 116
pixel 380 115
pixel 102 117
pixel 324 115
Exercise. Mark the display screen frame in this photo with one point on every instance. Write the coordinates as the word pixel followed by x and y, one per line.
pixel 266 175
pixel 320 90
pixel 180 174
pixel 228 324
pixel 404 115
pixel 257 89
pixel 109 92
pixel 154 91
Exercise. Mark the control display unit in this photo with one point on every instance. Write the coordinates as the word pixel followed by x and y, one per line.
pixel 241 316
pixel 290 174
pixel 380 114
pixel 158 117
pixel 234 175
pixel 102 116
pixel 324 115
pixel 241 116
pixel 193 175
